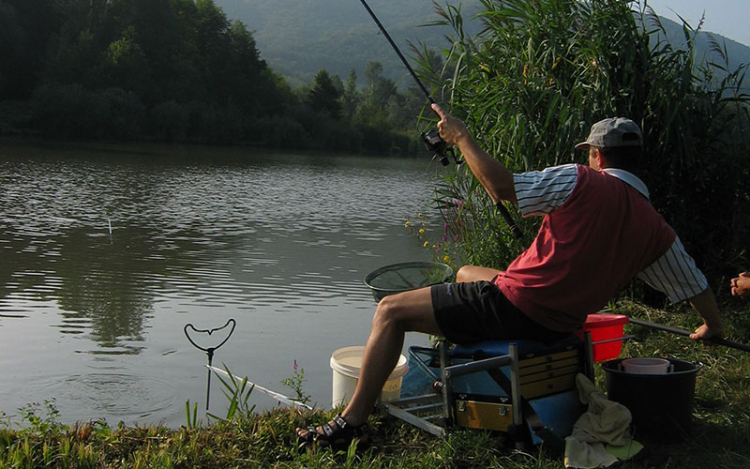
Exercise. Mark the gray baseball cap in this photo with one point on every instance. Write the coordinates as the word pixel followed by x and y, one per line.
pixel 613 132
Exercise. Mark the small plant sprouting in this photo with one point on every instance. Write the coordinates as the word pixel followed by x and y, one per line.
pixel 191 416
pixel 295 383
pixel 237 392
pixel 42 421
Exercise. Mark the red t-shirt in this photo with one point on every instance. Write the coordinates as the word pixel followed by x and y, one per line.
pixel 604 234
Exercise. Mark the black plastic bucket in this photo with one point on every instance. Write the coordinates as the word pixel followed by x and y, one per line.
pixel 661 405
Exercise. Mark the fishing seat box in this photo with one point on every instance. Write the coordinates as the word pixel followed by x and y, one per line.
pixel 547 381
pixel 547 376
pixel 483 397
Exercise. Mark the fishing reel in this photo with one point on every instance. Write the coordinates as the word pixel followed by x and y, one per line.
pixel 434 143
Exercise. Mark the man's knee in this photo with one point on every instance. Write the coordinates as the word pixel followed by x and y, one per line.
pixel 468 273
pixel 463 274
pixel 473 273
pixel 405 306
pixel 407 311
pixel 387 309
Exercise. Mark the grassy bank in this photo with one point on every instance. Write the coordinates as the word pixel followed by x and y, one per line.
pixel 720 436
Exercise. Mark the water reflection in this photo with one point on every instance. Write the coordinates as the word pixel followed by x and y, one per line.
pixel 196 235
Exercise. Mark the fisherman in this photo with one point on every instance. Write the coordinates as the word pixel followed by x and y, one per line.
pixel 599 231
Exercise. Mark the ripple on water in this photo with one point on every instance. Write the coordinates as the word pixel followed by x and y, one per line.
pixel 112 395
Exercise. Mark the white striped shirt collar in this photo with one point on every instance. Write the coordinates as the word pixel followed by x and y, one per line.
pixel 630 179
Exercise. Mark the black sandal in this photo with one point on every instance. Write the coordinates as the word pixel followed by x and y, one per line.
pixel 337 436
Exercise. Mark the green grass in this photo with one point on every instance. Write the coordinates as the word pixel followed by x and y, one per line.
pixel 721 417
pixel 720 437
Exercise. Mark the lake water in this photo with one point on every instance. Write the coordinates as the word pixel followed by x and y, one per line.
pixel 93 317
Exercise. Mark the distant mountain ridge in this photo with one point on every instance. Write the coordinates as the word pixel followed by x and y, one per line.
pixel 299 37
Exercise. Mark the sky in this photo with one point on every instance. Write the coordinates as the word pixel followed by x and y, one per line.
pixel 730 18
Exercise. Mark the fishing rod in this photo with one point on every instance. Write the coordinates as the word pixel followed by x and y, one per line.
pixel 400 55
pixel 432 139
pixel 683 332
pixel 273 394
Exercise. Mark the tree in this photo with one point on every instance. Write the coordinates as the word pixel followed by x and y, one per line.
pixel 26 26
pixel 12 43
pixel 324 96
pixel 125 65
pixel 177 70
pixel 379 88
pixel 245 79
pixel 350 96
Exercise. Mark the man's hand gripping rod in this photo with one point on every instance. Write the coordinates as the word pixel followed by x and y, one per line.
pixel 432 139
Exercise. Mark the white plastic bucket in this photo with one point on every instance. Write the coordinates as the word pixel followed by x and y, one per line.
pixel 346 363
pixel 645 366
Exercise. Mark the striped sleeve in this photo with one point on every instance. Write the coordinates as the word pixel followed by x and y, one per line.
pixel 541 192
pixel 675 274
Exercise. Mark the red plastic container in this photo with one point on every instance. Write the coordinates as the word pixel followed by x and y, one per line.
pixel 605 327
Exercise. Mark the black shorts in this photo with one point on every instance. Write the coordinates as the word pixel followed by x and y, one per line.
pixel 477 311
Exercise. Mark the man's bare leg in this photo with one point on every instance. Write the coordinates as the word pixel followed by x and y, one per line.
pixel 395 315
pixel 410 311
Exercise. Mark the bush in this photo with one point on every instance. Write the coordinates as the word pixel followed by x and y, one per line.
pixel 72 111
pixel 65 111
pixel 280 132
pixel 170 121
pixel 125 113
pixel 214 124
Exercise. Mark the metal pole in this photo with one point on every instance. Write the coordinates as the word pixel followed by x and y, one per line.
pixel 683 332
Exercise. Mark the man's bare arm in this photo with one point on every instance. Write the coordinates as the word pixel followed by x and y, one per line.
pixel 705 304
pixel 496 179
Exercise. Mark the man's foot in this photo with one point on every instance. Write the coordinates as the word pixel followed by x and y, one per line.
pixel 338 434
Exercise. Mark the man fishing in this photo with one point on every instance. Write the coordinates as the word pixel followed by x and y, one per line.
pixel 598 231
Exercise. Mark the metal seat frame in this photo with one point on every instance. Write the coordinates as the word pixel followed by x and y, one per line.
pixel 435 412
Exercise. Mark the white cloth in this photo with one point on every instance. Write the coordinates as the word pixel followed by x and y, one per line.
pixel 604 423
